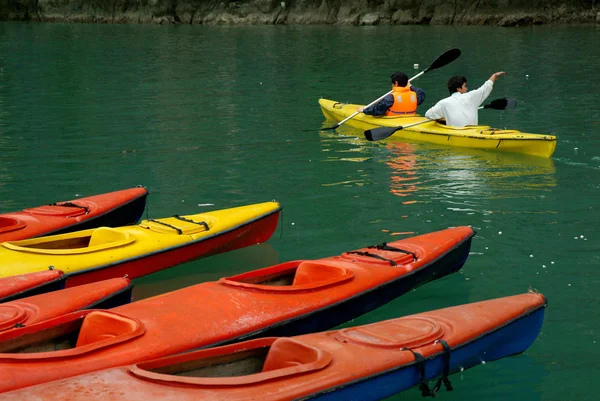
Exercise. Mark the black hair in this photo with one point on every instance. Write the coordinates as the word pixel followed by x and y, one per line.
pixel 456 82
pixel 400 78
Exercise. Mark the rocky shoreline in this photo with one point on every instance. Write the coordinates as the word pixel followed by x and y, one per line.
pixel 304 12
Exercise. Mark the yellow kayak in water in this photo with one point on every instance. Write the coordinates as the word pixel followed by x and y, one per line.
pixel 133 251
pixel 473 136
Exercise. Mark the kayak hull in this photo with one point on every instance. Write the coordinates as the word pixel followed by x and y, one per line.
pixel 25 285
pixel 111 209
pixel 38 308
pixel 370 362
pixel 297 296
pixel 478 137
pixel 134 251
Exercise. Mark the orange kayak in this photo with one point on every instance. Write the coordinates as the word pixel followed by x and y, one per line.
pixel 286 299
pixel 111 209
pixel 38 308
pixel 369 362
pixel 25 285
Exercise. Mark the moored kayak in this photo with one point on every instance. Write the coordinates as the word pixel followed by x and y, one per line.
pixel 25 285
pixel 290 298
pixel 31 310
pixel 479 137
pixel 101 253
pixel 369 362
pixel 111 209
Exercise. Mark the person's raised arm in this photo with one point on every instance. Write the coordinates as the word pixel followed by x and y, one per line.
pixel 478 95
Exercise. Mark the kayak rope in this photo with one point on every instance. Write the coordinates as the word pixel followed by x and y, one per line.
pixel 200 223
pixel 385 247
pixel 425 391
pixel 446 372
pixel 71 204
pixel 373 255
pixel 168 225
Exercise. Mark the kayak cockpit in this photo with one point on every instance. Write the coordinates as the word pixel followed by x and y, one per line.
pixel 73 243
pixel 291 276
pixel 10 224
pixel 244 363
pixel 68 335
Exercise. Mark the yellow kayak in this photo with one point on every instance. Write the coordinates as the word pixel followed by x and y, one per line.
pixel 479 137
pixel 133 251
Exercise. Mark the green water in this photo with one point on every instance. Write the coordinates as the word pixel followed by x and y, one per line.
pixel 215 117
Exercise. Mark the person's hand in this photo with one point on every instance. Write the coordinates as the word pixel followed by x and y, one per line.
pixel 360 109
pixel 496 75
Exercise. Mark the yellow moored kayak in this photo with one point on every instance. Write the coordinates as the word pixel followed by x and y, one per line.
pixel 101 253
pixel 480 136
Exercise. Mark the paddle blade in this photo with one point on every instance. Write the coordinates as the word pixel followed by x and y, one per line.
pixel 502 104
pixel 444 59
pixel 378 134
pixel 330 128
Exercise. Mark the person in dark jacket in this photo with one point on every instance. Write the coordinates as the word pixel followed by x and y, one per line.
pixel 403 100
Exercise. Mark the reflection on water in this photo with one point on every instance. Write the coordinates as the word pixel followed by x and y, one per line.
pixel 423 172
pixel 206 269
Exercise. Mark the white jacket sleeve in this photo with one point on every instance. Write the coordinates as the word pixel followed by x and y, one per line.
pixel 477 96
pixel 435 112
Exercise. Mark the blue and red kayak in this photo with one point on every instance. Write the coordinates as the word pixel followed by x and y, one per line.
pixel 368 363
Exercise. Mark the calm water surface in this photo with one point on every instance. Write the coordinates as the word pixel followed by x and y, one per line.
pixel 217 117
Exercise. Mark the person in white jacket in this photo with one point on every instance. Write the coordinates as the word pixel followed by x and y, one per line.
pixel 461 107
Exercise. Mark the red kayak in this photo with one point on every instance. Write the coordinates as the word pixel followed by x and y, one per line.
pixel 286 299
pixel 111 209
pixel 25 285
pixel 31 310
pixel 370 362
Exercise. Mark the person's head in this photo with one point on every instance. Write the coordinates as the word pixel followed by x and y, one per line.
pixel 399 79
pixel 457 84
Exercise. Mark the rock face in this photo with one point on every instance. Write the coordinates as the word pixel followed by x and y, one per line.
pixel 349 12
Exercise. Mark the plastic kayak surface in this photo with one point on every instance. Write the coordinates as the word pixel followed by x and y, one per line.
pixel 368 362
pixel 111 209
pixel 156 244
pixel 286 299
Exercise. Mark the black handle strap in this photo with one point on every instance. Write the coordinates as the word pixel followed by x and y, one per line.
pixel 424 387
pixel 446 372
pixel 168 225
pixel 385 247
pixel 200 223
pixel 71 204
pixel 373 255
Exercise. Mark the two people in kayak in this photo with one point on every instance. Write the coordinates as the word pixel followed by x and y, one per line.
pixel 459 109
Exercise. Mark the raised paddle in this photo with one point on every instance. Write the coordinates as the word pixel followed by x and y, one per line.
pixel 378 134
pixel 444 59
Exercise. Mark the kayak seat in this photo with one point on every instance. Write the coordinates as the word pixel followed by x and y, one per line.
pixel 286 353
pixel 106 235
pixel 310 272
pixel 99 326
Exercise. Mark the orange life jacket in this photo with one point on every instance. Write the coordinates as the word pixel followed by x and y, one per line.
pixel 405 101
